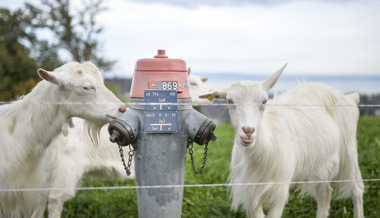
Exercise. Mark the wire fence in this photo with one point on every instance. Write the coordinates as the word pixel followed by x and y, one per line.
pixel 192 104
pixel 185 185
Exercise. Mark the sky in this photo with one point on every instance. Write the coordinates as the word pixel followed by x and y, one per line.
pixel 325 37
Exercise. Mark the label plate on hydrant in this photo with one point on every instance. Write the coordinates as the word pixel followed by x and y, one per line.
pixel 160 111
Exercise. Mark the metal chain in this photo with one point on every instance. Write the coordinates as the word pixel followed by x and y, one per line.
pixel 127 168
pixel 130 156
pixel 190 147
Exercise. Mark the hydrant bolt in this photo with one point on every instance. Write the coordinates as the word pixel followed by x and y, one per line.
pixel 114 138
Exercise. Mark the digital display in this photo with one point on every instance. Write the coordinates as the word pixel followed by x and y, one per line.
pixel 167 85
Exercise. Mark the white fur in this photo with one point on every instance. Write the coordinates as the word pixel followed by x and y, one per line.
pixel 75 155
pixel 197 88
pixel 286 141
pixel 30 124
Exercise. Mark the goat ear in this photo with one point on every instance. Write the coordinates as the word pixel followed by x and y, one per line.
pixel 272 79
pixel 48 76
pixel 204 79
pixel 215 94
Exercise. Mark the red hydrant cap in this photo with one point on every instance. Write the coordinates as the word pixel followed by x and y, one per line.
pixel 160 72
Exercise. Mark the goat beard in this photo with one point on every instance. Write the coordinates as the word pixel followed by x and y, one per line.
pixel 93 130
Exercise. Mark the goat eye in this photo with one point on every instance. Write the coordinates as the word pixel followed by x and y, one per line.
pixel 230 101
pixel 265 101
pixel 89 88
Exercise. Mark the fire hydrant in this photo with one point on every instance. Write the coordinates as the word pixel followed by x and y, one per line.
pixel 160 125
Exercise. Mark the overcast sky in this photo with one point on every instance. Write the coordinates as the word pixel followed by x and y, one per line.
pixel 245 36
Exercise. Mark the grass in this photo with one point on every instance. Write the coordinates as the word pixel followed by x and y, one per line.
pixel 214 201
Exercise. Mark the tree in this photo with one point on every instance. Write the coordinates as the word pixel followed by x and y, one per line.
pixel 76 31
pixel 17 68
pixel 23 50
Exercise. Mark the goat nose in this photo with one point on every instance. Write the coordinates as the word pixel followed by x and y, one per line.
pixel 248 130
pixel 122 109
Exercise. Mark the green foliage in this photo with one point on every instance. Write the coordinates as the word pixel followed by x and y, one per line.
pixel 64 30
pixel 17 69
pixel 214 201
pixel 75 30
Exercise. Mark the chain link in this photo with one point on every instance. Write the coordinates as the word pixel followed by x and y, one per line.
pixel 127 167
pixel 190 147
pixel 130 156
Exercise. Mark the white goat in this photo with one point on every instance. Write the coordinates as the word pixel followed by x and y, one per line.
pixel 197 88
pixel 307 134
pixel 75 155
pixel 30 124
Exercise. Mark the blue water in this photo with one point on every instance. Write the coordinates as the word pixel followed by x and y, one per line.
pixel 364 84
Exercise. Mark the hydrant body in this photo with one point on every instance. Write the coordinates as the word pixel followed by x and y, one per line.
pixel 159 131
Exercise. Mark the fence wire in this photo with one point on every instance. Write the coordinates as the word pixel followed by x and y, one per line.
pixel 187 104
pixel 184 186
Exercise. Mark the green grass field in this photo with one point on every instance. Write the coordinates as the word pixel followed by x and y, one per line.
pixel 214 201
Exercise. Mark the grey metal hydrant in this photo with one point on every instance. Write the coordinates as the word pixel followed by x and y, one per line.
pixel 160 124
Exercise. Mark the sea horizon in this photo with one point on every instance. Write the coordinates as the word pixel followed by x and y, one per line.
pixel 364 84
